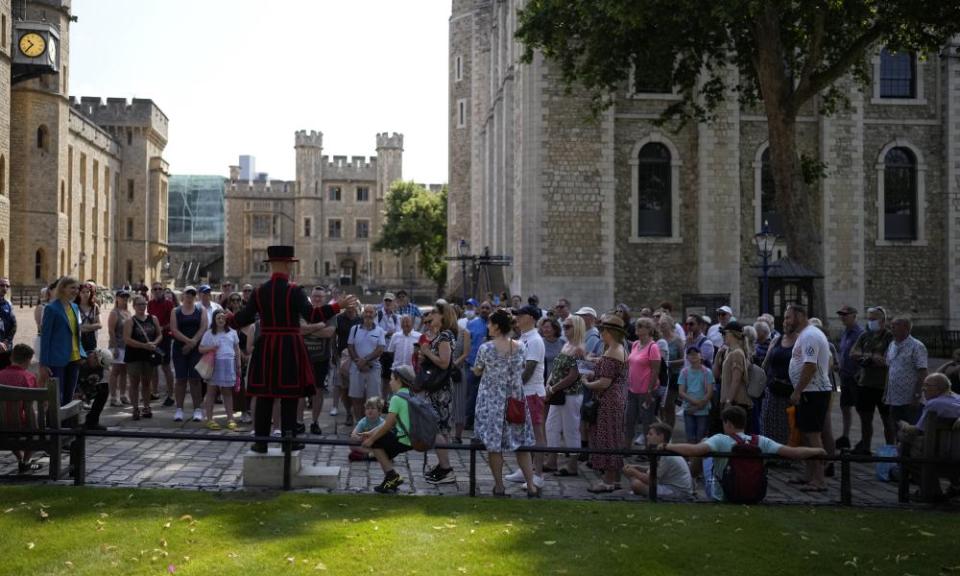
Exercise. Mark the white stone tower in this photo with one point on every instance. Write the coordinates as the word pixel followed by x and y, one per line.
pixel 308 205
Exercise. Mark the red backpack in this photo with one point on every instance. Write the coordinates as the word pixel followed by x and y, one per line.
pixel 744 480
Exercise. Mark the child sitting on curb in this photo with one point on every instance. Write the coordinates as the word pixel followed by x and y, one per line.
pixel 390 438
pixel 673 475
pixel 371 419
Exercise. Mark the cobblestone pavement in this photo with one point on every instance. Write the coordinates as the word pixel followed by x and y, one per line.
pixel 203 465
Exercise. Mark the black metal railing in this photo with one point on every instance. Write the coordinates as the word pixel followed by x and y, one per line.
pixel 845 458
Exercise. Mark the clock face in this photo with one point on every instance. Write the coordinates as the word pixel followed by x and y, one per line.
pixel 32 44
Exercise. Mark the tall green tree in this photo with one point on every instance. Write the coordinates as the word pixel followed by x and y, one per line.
pixel 786 51
pixel 416 222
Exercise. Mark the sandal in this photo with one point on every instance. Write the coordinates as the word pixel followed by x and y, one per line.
pixel 535 494
pixel 25 467
pixel 501 493
pixel 601 488
pixel 146 412
pixel 565 472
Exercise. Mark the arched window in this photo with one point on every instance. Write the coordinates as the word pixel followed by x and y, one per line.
pixel 43 137
pixel 3 175
pixel 654 191
pixel 768 204
pixel 900 198
pixel 38 265
pixel 3 258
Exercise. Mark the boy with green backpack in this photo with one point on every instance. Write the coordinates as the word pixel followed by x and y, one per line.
pixel 410 424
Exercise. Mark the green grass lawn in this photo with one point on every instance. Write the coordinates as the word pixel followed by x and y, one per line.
pixel 98 531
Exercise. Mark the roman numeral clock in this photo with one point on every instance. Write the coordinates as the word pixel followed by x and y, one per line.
pixel 35 47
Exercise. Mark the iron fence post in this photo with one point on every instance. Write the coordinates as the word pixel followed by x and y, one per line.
pixel 286 444
pixel 846 496
pixel 473 470
pixel 78 457
pixel 653 476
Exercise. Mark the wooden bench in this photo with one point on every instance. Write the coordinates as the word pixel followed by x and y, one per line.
pixel 941 442
pixel 43 412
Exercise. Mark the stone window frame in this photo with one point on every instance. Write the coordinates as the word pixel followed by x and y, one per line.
pixel 340 235
pixel 673 95
pixel 458 68
pixel 675 164
pixel 921 239
pixel 307 227
pixel 356 228
pixel 462 113
pixel 919 100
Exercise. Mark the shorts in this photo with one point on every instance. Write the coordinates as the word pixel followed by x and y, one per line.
pixel 848 391
pixel 320 370
pixel 812 411
pixel 391 445
pixel 870 398
pixel 364 385
pixel 535 406
pixel 184 365
pixel 140 369
pixel 118 354
pixel 670 493
pixel 909 413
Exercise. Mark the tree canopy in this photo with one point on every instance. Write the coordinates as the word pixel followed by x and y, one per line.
pixel 786 52
pixel 416 222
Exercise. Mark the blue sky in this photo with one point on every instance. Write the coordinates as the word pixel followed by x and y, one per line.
pixel 240 76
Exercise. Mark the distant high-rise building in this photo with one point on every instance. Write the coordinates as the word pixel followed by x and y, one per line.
pixel 248 168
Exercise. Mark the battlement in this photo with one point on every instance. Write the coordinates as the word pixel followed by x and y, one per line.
pixel 312 139
pixel 356 162
pixel 119 112
pixel 386 140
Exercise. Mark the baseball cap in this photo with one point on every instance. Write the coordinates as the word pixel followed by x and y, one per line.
pixel 205 289
pixel 406 374
pixel 389 296
pixel 586 311
pixel 472 302
pixel 122 293
pixel 846 309
pixel 529 310
pixel 190 289
pixel 725 310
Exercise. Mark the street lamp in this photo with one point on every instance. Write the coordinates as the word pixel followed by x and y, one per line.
pixel 463 248
pixel 765 241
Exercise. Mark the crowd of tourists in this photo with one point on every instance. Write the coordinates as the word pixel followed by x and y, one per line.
pixel 506 373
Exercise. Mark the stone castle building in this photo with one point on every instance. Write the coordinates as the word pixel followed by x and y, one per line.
pixel 618 210
pixel 332 213
pixel 83 183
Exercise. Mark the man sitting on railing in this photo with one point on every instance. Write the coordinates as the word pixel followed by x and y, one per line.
pixel 945 404
pixel 734 421
pixel 16 374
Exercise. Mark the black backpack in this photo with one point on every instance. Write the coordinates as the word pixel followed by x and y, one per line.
pixel 744 480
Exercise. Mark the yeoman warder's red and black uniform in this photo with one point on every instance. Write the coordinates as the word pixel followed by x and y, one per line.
pixel 280 366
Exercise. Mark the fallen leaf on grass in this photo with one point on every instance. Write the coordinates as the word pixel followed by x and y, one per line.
pixel 291 559
pixel 320 566
pixel 928 534
pixel 43 514
pixel 186 518
pixel 306 506
pixel 167 525
pixel 68 564
pixel 9 510
pixel 549 542
pixel 31 545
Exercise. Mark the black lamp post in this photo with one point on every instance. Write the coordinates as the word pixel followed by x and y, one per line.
pixel 765 242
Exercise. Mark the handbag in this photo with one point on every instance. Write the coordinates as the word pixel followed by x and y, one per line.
pixel 558 398
pixel 431 377
pixel 516 411
pixel 206 364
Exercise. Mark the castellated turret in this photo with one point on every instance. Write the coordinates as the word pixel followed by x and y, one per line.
pixel 311 139
pixel 386 140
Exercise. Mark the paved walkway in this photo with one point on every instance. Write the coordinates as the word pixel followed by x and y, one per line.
pixel 195 464
pixel 218 465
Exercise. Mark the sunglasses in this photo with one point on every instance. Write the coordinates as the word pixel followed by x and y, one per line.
pixel 568 326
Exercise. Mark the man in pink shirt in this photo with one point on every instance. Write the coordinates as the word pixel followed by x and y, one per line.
pixel 16 374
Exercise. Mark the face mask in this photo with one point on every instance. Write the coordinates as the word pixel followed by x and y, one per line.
pixel 469 314
pixel 873 325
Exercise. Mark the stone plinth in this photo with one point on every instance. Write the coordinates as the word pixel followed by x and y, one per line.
pixel 266 471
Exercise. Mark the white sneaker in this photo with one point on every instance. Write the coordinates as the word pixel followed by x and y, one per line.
pixel 276 433
pixel 198 415
pixel 334 411
pixel 537 481
pixel 178 415
pixel 516 476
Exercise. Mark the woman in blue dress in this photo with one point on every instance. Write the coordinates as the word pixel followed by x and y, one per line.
pixel 500 365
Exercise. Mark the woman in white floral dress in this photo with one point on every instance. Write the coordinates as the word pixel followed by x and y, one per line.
pixel 500 364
